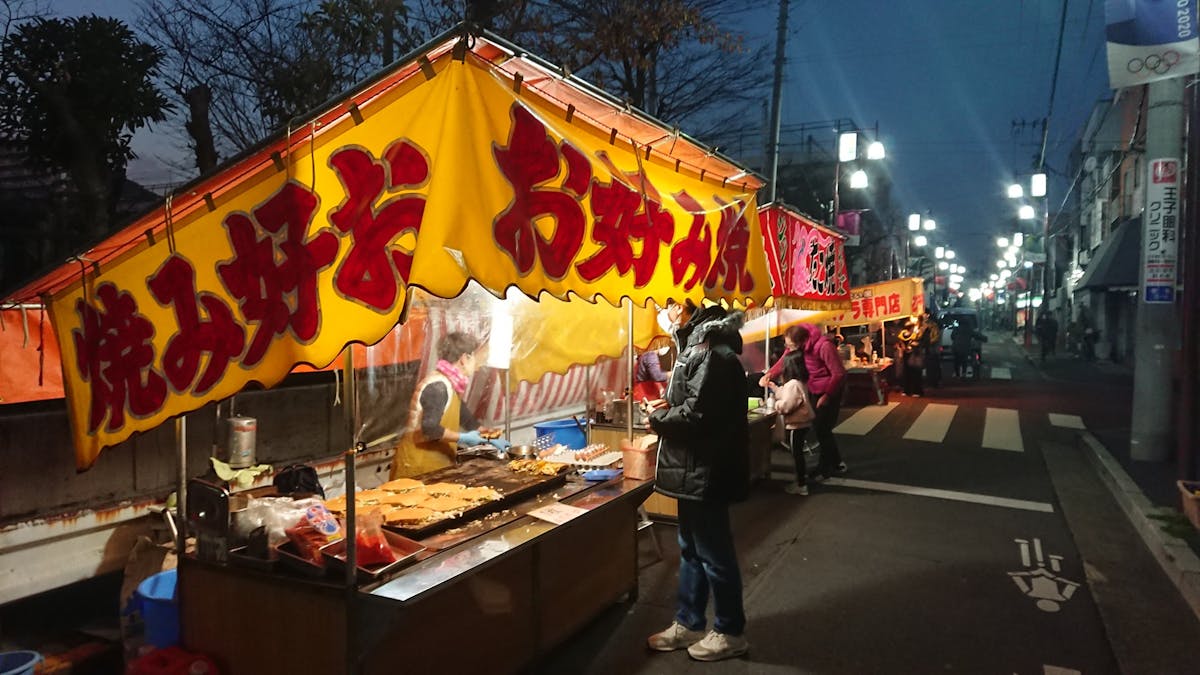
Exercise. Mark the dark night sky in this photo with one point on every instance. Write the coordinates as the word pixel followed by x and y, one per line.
pixel 943 79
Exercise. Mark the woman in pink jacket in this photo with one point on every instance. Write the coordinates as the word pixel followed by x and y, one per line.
pixel 826 374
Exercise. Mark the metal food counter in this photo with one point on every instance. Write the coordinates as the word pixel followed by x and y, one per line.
pixel 492 596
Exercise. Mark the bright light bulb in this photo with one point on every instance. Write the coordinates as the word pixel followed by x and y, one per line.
pixel 914 221
pixel 939 252
pixel 1018 240
pixel 1015 191
pixel 920 240
pixel 1028 265
pixel 1025 212
pixel 858 180
pixel 943 265
pixel 929 225
pixel 1001 264
pixel 995 277
pixel 875 151
pixel 950 255
pixel 1002 242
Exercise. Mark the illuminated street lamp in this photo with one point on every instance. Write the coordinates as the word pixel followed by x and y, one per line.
pixel 949 254
pixel 1037 185
pixel 939 252
pixel 1018 240
pixel 858 180
pixel 875 150
pixel 1026 212
pixel 920 240
pixel 914 221
pixel 1002 242
pixel 1015 191
pixel 943 265
pixel 929 225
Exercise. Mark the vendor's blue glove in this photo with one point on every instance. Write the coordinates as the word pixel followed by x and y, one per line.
pixel 501 443
pixel 467 439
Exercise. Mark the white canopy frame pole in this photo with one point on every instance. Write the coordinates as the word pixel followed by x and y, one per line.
pixel 181 488
pixel 630 369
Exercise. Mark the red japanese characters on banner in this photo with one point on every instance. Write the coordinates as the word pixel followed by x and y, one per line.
pixel 884 301
pixel 807 263
pixel 621 217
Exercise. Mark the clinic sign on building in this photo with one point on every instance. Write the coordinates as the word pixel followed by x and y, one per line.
pixel 1160 249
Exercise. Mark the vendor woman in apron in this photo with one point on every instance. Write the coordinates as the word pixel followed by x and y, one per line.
pixel 438 420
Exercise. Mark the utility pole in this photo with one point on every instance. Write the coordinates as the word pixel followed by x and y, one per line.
pixel 1157 338
pixel 777 103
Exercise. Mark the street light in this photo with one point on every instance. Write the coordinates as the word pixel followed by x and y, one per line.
pixel 1018 240
pixel 875 150
pixel 943 265
pixel 858 180
pixel 848 147
pixel 1015 191
pixel 939 252
pixel 1037 185
pixel 929 225
pixel 920 241
pixel 949 254
pixel 848 152
pixel 1026 212
pixel 1002 242
pixel 914 221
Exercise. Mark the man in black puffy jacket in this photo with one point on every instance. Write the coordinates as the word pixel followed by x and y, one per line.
pixel 703 461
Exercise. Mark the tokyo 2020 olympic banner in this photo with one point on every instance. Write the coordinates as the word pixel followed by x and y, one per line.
pixel 1151 40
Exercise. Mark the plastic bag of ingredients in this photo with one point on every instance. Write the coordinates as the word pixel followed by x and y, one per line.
pixel 373 548
pixel 277 514
pixel 315 528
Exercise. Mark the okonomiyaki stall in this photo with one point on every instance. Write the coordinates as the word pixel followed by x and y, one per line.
pixel 472 164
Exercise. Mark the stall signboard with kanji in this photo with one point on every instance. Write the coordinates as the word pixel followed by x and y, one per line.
pixel 885 301
pixel 807 262
pixel 1161 246
pixel 447 178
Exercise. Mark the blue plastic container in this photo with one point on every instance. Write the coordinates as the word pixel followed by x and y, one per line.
pixel 19 663
pixel 155 597
pixel 565 431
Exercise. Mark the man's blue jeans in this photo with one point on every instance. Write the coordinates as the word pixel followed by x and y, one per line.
pixel 707 560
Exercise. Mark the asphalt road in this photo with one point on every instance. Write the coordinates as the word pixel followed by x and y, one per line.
pixel 962 539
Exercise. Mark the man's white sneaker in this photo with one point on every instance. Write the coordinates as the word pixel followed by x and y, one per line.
pixel 674 637
pixel 796 489
pixel 717 646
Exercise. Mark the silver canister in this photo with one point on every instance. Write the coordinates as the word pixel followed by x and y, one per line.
pixel 239 444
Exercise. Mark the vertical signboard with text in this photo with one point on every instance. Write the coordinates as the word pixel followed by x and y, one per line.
pixel 1160 248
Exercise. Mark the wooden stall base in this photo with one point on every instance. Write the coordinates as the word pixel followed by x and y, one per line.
pixel 498 617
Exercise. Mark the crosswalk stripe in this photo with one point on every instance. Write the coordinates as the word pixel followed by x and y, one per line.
pixel 863 421
pixel 1002 430
pixel 1067 421
pixel 932 424
pixel 1001 373
pixel 989 500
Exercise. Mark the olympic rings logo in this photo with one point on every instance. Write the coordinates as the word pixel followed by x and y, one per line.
pixel 1158 63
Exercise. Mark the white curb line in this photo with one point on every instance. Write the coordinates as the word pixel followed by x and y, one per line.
pixel 1174 555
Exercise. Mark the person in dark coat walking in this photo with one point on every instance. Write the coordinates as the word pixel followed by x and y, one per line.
pixel 704 462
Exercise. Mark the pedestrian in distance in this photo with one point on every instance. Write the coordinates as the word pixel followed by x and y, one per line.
pixel 826 375
pixel 794 405
pixel 1047 332
pixel 961 340
pixel 933 356
pixel 704 463
pixel 914 342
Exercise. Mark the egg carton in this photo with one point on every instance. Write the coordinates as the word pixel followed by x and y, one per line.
pixel 600 462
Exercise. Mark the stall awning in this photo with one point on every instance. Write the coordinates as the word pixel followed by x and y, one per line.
pixel 1115 265
pixel 471 162
pixel 807 262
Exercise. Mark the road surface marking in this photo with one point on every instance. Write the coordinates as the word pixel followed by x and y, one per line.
pixel 1049 590
pixel 1002 430
pixel 863 421
pixel 1001 373
pixel 1067 421
pixel 933 423
pixel 987 500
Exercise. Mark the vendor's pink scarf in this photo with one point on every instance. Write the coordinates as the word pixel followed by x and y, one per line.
pixel 452 373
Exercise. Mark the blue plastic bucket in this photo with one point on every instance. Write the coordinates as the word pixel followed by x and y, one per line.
pixel 565 431
pixel 160 612
pixel 18 663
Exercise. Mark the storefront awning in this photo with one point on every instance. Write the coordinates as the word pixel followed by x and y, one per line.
pixel 470 163
pixel 1115 265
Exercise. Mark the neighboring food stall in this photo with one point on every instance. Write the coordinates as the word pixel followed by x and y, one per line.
pixel 470 165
